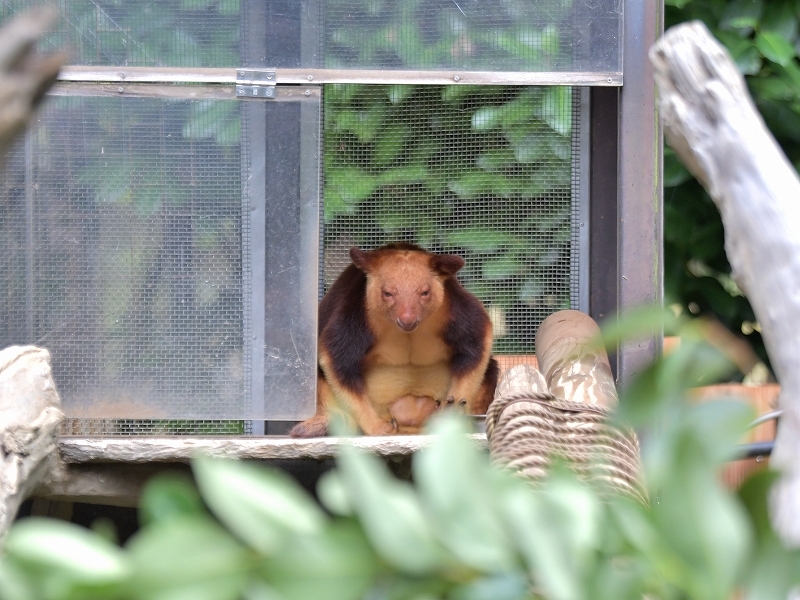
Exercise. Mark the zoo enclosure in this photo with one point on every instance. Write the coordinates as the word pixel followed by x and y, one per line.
pixel 202 168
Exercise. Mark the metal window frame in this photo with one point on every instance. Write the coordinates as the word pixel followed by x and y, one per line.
pixel 623 141
pixel 175 75
pixel 627 191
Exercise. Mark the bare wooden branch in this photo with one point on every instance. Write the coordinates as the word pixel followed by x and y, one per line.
pixel 29 420
pixel 711 123
pixel 25 75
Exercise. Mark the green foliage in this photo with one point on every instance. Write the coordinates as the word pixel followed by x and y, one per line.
pixel 465 530
pixel 481 171
pixel 762 37
pixel 510 35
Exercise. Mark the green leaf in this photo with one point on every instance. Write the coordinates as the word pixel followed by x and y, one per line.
pixel 365 124
pixel 496 159
pixel 398 93
pixel 677 3
pixel 508 586
pixel 774 88
pixel 452 477
pixel 403 175
pixel 389 144
pixel 487 117
pixel 754 494
pixel 332 494
pixel 640 323
pixel 773 572
pixel 77 554
pixel 168 496
pixel 337 565
pixel 556 531
pixel 742 14
pixel 353 184
pixel 479 239
pixel 390 513
pixel 188 557
pixel 260 506
pixel 335 205
pixel 502 267
pixel 743 51
pixel 780 16
pixel 14 584
pixel 555 109
pixel 775 47
pixel 62 557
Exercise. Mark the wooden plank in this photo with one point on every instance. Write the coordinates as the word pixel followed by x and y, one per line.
pixel 138 450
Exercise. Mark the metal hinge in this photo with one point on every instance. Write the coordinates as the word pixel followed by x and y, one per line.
pixel 255 84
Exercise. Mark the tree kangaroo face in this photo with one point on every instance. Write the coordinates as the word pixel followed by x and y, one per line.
pixel 405 286
pixel 404 290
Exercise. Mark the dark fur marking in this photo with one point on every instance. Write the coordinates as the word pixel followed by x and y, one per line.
pixel 447 264
pixel 343 328
pixel 492 375
pixel 467 328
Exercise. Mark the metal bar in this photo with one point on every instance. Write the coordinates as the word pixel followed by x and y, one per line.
pixel 320 76
pixel 255 120
pixel 148 74
pixel 310 218
pixel 180 92
pixel 754 450
pixel 773 415
pixel 584 141
pixel 254 134
pixel 603 208
pixel 640 196
pixel 30 200
pixel 300 76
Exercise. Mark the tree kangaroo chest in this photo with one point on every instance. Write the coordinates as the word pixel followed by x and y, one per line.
pixel 407 364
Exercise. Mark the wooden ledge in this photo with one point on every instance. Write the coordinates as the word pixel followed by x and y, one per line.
pixel 175 449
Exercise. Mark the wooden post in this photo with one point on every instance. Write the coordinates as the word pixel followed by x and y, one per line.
pixel 29 420
pixel 711 123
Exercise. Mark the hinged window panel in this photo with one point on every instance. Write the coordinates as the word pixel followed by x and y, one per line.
pixel 521 36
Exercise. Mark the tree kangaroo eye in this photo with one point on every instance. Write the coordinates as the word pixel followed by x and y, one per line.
pixel 425 293
pixel 386 294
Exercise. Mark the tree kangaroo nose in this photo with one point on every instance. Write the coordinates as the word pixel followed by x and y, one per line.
pixel 407 324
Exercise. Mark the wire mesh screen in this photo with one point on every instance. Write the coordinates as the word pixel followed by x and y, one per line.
pixel 484 172
pixel 121 233
pixel 482 35
pixel 478 35
pixel 143 32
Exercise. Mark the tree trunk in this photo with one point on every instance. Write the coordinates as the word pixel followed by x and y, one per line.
pixel 711 123
pixel 29 420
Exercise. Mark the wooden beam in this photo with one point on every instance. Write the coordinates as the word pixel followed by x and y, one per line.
pixel 134 450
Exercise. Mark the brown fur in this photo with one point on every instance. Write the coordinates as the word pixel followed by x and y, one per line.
pixel 400 338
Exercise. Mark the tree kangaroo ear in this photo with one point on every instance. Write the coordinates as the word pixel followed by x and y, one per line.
pixel 447 264
pixel 360 259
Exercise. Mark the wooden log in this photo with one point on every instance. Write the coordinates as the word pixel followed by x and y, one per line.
pixel 711 123
pixel 521 379
pixel 29 420
pixel 573 363
pixel 25 75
